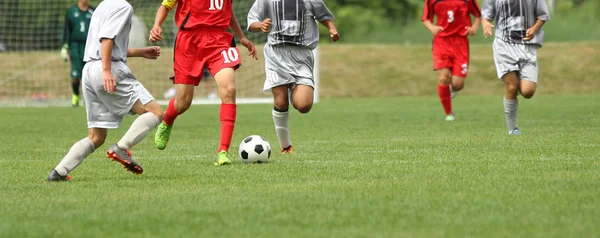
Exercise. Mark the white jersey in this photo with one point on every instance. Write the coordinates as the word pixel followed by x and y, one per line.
pixel 111 20
pixel 293 21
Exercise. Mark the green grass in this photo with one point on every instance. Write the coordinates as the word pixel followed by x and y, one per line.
pixel 388 167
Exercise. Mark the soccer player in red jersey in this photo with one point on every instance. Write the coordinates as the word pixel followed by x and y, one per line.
pixel 202 41
pixel 450 44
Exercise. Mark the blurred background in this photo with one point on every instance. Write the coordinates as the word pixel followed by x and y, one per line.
pixel 384 47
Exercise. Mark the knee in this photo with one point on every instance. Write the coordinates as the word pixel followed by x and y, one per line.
pixel 303 107
pixel 527 94
pixel 227 92
pixel 97 139
pixel 512 88
pixel 457 86
pixel 444 79
pixel 281 104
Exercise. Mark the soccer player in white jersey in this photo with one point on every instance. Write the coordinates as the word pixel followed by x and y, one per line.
pixel 111 91
pixel 289 60
pixel 518 36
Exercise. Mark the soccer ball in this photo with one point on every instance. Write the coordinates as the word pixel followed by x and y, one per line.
pixel 255 149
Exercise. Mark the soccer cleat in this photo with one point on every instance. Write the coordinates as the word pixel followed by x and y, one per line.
pixel 123 156
pixel 452 92
pixel 55 177
pixel 161 138
pixel 75 101
pixel 223 158
pixel 450 117
pixel 514 132
pixel 287 150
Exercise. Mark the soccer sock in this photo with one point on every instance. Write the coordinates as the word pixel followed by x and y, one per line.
pixel 281 121
pixel 138 130
pixel 227 115
pixel 75 86
pixel 445 98
pixel 75 156
pixel 171 114
pixel 510 111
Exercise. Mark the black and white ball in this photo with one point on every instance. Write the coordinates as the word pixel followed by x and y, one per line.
pixel 255 149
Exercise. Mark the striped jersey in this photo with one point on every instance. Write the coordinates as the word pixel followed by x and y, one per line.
pixel 293 21
pixel 514 17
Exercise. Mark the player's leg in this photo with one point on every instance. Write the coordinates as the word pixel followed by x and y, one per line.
pixel 78 152
pixel 460 66
pixel 76 55
pixel 444 79
pixel 511 103
pixel 226 86
pixel 188 65
pixel 529 73
pixel 280 116
pixel 506 58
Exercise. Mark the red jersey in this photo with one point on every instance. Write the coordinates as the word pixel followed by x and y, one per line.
pixel 452 15
pixel 192 14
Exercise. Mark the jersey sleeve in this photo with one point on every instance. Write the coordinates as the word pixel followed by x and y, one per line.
pixel 66 32
pixel 541 10
pixel 256 14
pixel 427 12
pixel 169 4
pixel 474 8
pixel 489 9
pixel 115 22
pixel 321 11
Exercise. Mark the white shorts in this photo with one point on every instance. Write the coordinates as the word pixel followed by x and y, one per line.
pixel 286 64
pixel 106 110
pixel 520 58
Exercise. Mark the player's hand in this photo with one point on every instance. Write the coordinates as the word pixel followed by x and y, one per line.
pixel 109 82
pixel 335 36
pixel 530 34
pixel 265 26
pixel 436 29
pixel 471 31
pixel 250 46
pixel 64 53
pixel 155 34
pixel 151 52
pixel 487 28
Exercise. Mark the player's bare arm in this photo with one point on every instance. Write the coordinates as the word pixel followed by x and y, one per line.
pixel 487 27
pixel 472 30
pixel 152 52
pixel 161 15
pixel 433 28
pixel 237 30
pixel 333 33
pixel 531 31
pixel 264 26
pixel 106 53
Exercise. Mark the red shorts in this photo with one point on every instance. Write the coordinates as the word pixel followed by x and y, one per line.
pixel 451 52
pixel 198 48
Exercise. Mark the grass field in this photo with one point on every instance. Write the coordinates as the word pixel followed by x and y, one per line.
pixel 387 167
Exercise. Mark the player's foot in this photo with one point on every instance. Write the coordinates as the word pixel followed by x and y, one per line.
pixel 75 101
pixel 450 117
pixel 123 156
pixel 223 158
pixel 55 177
pixel 161 138
pixel 287 150
pixel 452 92
pixel 514 132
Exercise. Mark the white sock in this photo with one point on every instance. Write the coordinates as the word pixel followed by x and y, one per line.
pixel 75 156
pixel 510 111
pixel 138 130
pixel 280 119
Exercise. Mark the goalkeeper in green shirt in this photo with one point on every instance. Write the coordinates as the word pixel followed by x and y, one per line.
pixel 77 22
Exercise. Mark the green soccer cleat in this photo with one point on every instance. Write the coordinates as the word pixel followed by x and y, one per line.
pixel 162 135
pixel 450 117
pixel 75 101
pixel 223 158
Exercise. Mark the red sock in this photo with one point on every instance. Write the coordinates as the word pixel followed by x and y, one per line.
pixel 444 92
pixel 171 114
pixel 227 116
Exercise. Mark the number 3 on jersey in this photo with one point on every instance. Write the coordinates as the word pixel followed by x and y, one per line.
pixel 216 5
pixel 230 55
pixel 450 16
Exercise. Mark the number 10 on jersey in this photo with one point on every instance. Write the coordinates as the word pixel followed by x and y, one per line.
pixel 216 5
